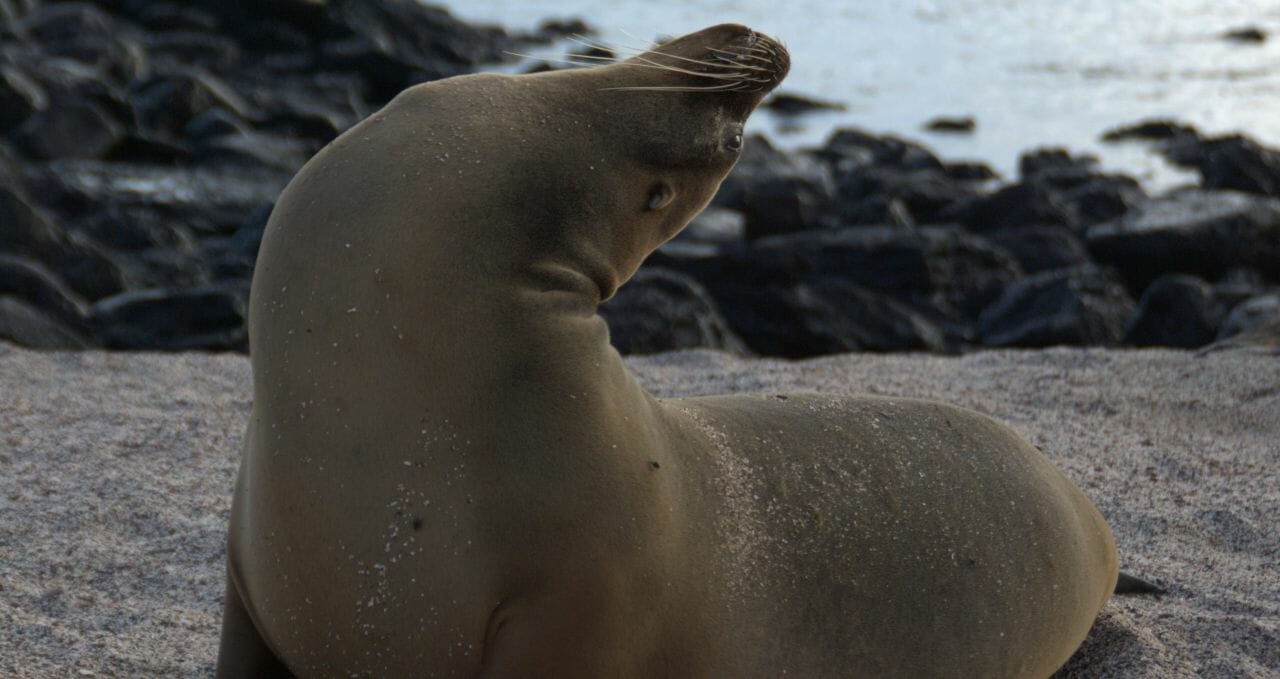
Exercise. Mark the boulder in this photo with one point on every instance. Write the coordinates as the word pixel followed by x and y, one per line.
pixel 714 225
pixel 85 34
pixel 776 192
pixel 1083 306
pixel 956 125
pixel 1260 311
pixel 176 320
pixel 133 228
pixel 1175 311
pixel 168 103
pixel 1248 35
pixel 20 97
pixel 26 227
pixel 1049 161
pixel 1151 130
pixel 1239 163
pixel 36 284
pixel 212 199
pixel 1024 204
pixel 851 147
pixel 1204 233
pixel 939 275
pixel 837 316
pixel 1042 248
pixel 970 171
pixel 661 310
pixel 867 194
pixel 799 320
pixel 28 325
pixel 69 129
pixel 794 104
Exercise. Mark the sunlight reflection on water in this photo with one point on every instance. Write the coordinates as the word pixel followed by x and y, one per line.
pixel 1032 73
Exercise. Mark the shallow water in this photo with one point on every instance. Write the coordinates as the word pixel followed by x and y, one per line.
pixel 1032 72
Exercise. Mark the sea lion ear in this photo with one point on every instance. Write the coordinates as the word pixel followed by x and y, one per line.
pixel 660 195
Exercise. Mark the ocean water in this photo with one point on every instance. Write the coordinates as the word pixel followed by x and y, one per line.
pixel 1033 73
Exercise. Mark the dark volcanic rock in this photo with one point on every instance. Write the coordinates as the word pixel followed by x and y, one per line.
pixel 29 326
pixel 171 320
pixel 879 195
pixel 1017 205
pixel 1048 161
pixel 1042 248
pixel 211 198
pixel 1151 130
pixel 799 320
pixel 661 310
pixel 1239 285
pixel 714 225
pixel 24 226
pixel 794 104
pixel 167 104
pixel 777 193
pixel 1196 232
pixel 1251 35
pixel 1085 306
pixel 962 125
pixel 848 148
pixel 20 97
pixel 1102 197
pixel 1092 196
pixel 1175 311
pixel 1239 163
pixel 82 33
pixel 1254 313
pixel 838 316
pixel 35 283
pixel 932 276
pixel 87 268
pixel 69 129
pixel 970 171
pixel 131 229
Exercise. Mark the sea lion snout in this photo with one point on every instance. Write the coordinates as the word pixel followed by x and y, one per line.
pixel 728 57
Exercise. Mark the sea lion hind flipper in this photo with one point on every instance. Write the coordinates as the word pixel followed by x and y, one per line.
pixel 242 652
pixel 1129 584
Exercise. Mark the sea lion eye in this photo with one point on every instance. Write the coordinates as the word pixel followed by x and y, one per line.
pixel 660 195
pixel 733 140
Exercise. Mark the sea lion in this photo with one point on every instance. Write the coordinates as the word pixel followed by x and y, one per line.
pixel 450 472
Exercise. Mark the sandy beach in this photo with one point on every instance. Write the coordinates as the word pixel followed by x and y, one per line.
pixel 116 473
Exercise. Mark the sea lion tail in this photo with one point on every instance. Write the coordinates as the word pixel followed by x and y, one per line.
pixel 1129 584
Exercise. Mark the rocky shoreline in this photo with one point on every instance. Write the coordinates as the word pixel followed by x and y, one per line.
pixel 142 144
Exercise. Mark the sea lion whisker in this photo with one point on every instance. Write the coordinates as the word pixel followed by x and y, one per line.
pixel 736 55
pixel 582 40
pixel 595 58
pixel 662 67
pixel 552 60
pixel 703 62
pixel 677 69
pixel 652 43
pixel 726 87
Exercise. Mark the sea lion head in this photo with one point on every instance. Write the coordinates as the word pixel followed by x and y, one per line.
pixel 563 180
pixel 675 115
pixel 618 158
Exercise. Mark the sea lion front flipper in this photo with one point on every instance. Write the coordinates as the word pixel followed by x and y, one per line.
pixel 1129 584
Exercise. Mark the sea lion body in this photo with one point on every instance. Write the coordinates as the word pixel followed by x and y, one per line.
pixel 449 472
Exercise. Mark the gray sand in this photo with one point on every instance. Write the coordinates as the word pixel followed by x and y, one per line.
pixel 117 472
